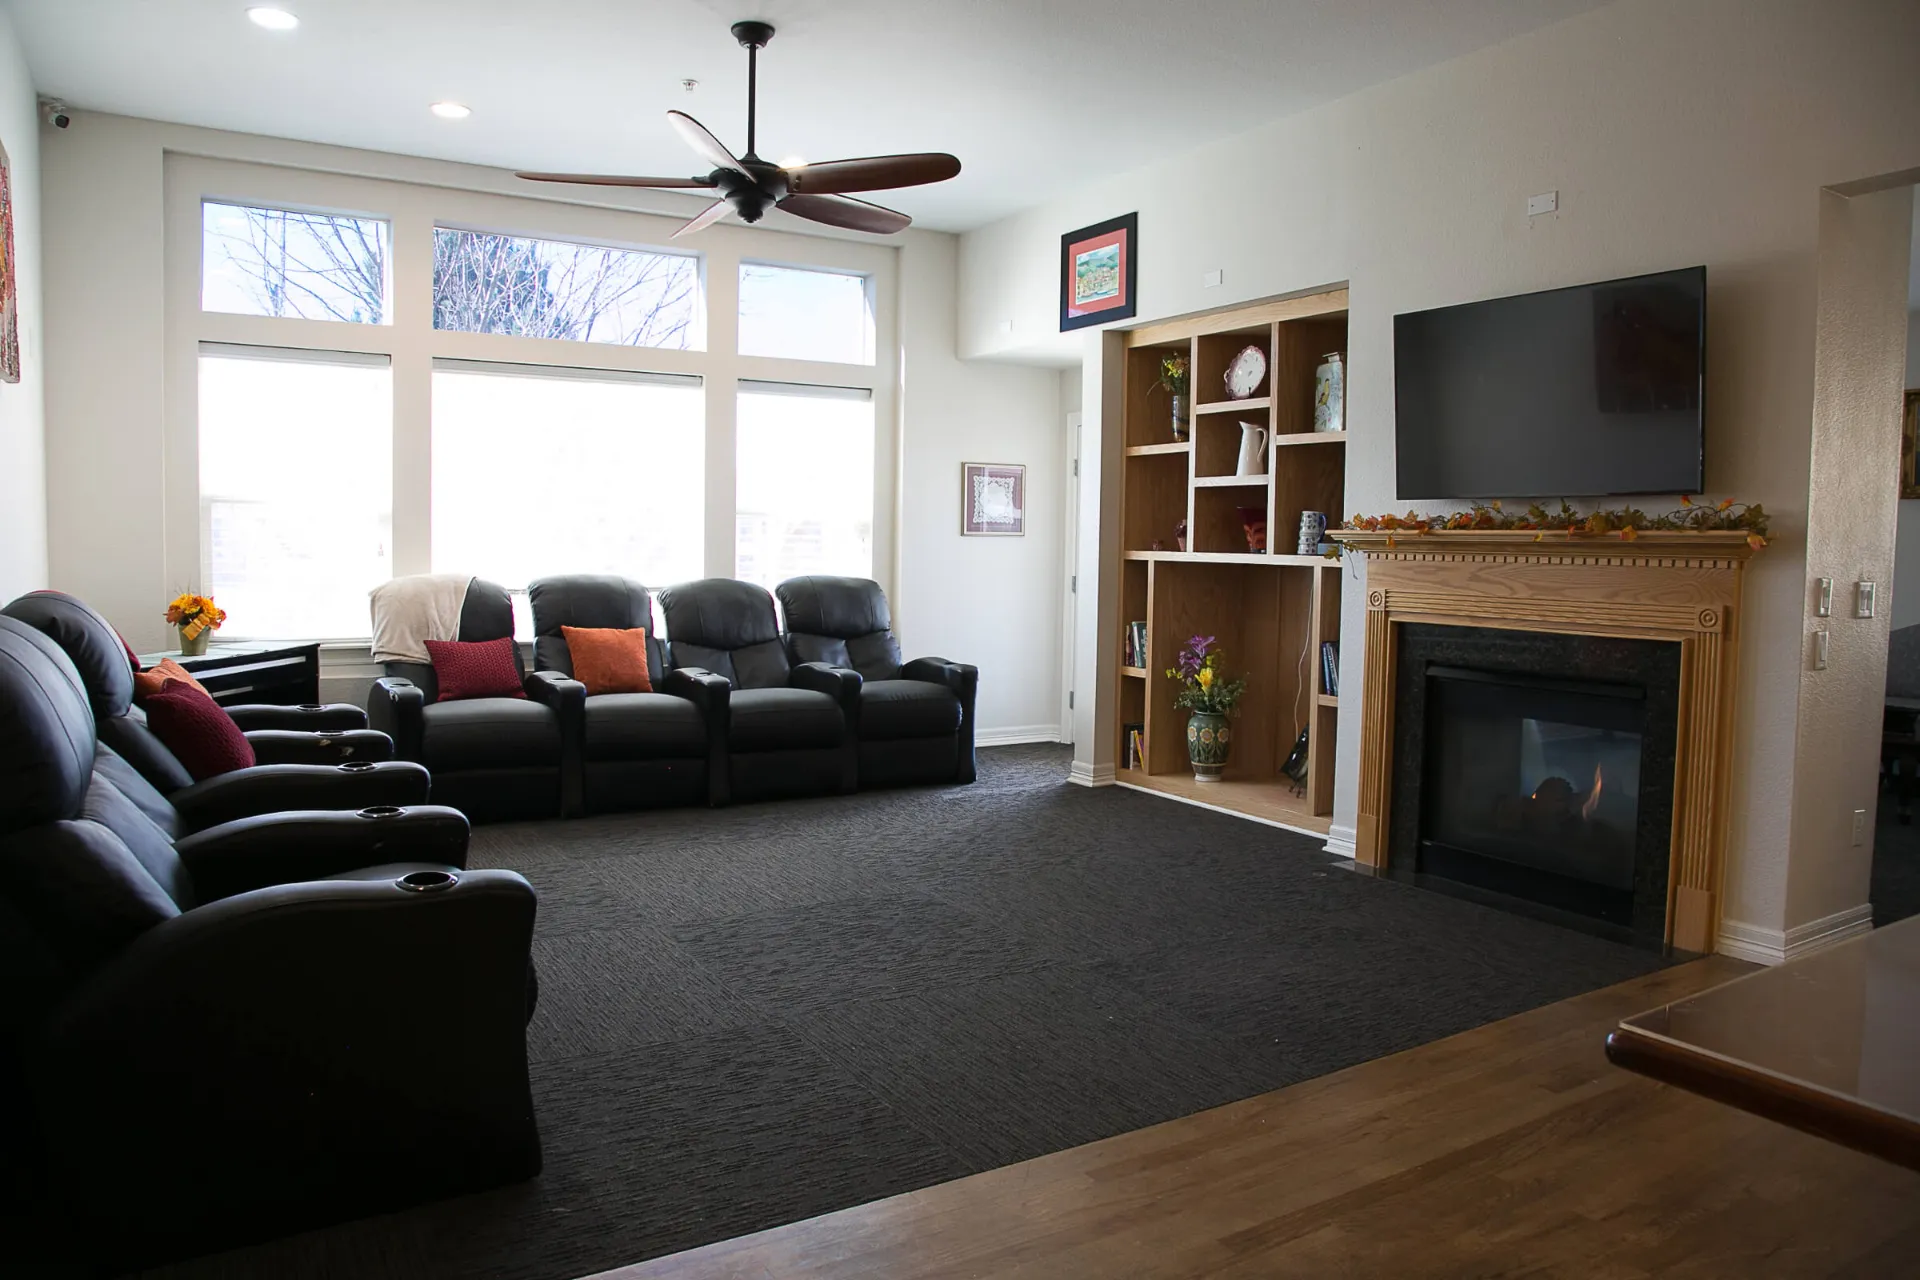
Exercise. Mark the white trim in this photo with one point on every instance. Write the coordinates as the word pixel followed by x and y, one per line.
pixel 1340 841
pixel 1016 734
pixel 1231 813
pixel 1761 945
pixel 1084 775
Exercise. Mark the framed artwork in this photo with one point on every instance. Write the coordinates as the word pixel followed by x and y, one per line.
pixel 993 499
pixel 1097 269
pixel 9 280
pixel 1910 447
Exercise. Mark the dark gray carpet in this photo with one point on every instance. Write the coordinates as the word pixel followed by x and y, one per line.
pixel 756 1015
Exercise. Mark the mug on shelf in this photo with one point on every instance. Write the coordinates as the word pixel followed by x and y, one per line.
pixel 1313 527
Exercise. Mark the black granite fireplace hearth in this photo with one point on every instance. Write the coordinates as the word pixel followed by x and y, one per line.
pixel 1535 770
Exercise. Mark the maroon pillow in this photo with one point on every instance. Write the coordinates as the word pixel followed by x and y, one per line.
pixel 475 669
pixel 197 730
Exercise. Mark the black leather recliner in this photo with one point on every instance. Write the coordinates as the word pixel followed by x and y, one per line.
pixel 789 726
pixel 491 758
pixel 633 750
pixel 914 720
pixel 201 1043
pixel 335 770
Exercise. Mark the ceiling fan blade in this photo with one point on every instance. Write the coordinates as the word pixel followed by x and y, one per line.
pixel 704 143
pixel 854 215
pixel 710 215
pixel 618 180
pixel 873 173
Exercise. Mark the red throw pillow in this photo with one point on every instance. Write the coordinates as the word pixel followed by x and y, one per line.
pixel 197 730
pixel 475 669
pixel 153 679
pixel 609 659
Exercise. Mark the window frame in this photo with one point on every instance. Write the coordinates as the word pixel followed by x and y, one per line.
pixel 461 198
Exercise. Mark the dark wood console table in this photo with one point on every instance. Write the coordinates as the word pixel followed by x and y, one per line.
pixel 1829 1043
pixel 282 674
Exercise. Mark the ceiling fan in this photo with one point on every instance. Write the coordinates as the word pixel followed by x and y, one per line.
pixel 749 186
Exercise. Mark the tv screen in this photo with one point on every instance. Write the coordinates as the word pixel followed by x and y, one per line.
pixel 1589 390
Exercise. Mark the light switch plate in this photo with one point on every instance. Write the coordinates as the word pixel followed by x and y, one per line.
pixel 1823 598
pixel 1212 278
pixel 1545 202
pixel 1865 597
pixel 1820 642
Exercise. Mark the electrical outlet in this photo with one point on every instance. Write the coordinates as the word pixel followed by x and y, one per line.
pixel 1865 597
pixel 1823 598
pixel 1545 202
pixel 1820 641
pixel 1859 827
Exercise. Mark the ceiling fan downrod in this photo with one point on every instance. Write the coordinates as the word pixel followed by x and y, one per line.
pixel 753 36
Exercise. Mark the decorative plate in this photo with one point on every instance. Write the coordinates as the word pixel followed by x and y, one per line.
pixel 1245 372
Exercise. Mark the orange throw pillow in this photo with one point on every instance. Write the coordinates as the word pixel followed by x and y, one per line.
pixel 609 660
pixel 153 679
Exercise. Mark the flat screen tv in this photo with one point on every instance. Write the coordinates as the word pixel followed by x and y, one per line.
pixel 1590 390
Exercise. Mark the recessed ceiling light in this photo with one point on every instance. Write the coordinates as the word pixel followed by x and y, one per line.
pixel 451 110
pixel 794 162
pixel 272 19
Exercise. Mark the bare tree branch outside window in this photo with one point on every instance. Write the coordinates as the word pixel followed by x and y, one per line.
pixel 311 266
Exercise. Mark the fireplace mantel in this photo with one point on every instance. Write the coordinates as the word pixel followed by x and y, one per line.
pixel 1683 587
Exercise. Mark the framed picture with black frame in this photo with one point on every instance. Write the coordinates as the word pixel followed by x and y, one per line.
pixel 1098 266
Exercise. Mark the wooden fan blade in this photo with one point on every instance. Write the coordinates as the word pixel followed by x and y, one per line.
pixel 854 215
pixel 618 180
pixel 712 214
pixel 873 173
pixel 704 143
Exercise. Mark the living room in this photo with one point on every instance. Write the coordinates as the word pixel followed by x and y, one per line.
pixel 998 987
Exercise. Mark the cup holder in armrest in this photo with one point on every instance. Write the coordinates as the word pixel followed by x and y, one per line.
pixel 357 766
pixel 427 881
pixel 381 811
pixel 329 734
pixel 309 706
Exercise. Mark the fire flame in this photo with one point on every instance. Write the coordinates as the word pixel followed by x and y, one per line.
pixel 1593 797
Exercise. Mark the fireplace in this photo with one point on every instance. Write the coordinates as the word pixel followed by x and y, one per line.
pixel 1536 770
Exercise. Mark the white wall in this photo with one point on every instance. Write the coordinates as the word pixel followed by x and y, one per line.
pixel 1677 132
pixel 993 602
pixel 23 493
pixel 122 529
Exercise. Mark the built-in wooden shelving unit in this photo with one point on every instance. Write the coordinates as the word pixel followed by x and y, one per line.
pixel 1270 610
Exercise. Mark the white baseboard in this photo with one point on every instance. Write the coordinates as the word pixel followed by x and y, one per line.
pixel 1083 774
pixel 1340 841
pixel 1017 734
pixel 1761 945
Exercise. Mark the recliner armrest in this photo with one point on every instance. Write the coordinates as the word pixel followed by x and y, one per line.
pixel 311 717
pixel 567 698
pixel 842 684
pixel 394 706
pixel 712 693
pixel 328 746
pixel 276 788
pixel 964 680
pixel 696 684
pixel 282 848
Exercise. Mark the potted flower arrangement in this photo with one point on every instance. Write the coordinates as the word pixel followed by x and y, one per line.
pixel 1211 697
pixel 197 618
pixel 1173 377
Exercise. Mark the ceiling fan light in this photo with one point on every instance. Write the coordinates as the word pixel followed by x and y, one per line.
pixel 272 19
pixel 794 162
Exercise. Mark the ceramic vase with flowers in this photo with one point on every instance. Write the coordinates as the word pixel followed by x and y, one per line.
pixel 196 618
pixel 1173 379
pixel 1212 698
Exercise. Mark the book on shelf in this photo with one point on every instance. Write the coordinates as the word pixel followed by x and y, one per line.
pixel 1330 667
pixel 1135 753
pixel 1136 645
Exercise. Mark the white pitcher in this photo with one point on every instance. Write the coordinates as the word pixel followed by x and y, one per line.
pixel 1253 451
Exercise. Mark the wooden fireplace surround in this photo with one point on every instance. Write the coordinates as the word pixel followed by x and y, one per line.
pixel 1683 587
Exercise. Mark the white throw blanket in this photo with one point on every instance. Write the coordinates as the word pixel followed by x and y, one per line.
pixel 409 611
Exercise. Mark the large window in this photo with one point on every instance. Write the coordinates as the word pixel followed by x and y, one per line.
pixel 804 482
pixel 543 471
pixel 485 283
pixel 796 313
pixel 296 492
pixel 281 262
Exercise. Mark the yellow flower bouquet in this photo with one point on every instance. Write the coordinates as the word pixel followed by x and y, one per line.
pixel 196 617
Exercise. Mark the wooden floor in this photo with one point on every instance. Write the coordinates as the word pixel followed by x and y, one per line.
pixel 1512 1150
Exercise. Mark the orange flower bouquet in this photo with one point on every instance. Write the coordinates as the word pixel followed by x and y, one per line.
pixel 197 617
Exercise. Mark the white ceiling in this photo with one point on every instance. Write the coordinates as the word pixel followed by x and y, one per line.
pixel 1034 96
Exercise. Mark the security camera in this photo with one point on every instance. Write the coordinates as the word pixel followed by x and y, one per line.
pixel 54 112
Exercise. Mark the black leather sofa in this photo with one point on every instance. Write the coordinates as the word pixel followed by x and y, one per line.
pixel 491 758
pixel 630 750
pixel 913 721
pixel 343 769
pixel 268 1026
pixel 789 726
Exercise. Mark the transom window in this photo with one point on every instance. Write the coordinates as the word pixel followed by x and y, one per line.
pixel 795 313
pixel 282 262
pixel 527 288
